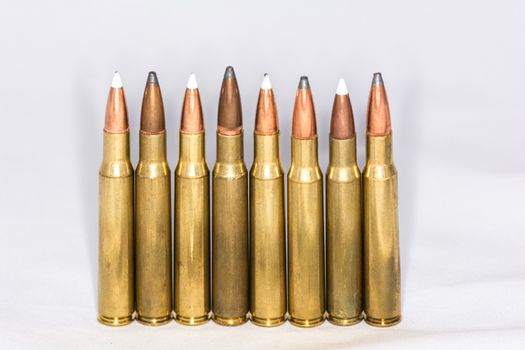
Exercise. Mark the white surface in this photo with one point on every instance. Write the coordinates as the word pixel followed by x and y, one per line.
pixel 117 81
pixel 342 89
pixel 448 66
pixel 192 82
pixel 266 83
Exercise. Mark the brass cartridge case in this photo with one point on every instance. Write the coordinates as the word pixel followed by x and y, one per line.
pixel 153 231
pixel 230 261
pixel 115 261
pixel 381 234
pixel 192 232
pixel 305 236
pixel 343 234
pixel 268 242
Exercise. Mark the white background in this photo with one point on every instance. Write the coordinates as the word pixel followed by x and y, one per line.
pixel 454 74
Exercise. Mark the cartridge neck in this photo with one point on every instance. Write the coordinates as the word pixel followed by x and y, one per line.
pixel 304 152
pixel 152 147
pixel 191 147
pixel 230 148
pixel 379 149
pixel 266 148
pixel 116 146
pixel 342 152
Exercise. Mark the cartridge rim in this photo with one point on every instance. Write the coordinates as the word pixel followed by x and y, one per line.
pixel 346 321
pixel 115 321
pixel 192 321
pixel 314 322
pixel 268 322
pixel 230 321
pixel 382 322
pixel 154 321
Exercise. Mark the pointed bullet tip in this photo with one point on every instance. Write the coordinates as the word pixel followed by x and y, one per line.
pixel 152 78
pixel 229 72
pixel 341 87
pixel 266 83
pixel 378 79
pixel 304 83
pixel 117 82
pixel 192 82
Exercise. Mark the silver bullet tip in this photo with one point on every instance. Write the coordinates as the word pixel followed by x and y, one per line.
pixel 304 83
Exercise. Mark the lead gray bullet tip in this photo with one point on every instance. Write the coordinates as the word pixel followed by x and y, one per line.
pixel 378 79
pixel 152 78
pixel 304 83
pixel 229 72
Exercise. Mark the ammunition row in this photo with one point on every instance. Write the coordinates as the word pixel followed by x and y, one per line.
pixel 242 275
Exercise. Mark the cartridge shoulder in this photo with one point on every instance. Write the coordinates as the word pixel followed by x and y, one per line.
pixel 267 170
pixel 230 170
pixel 152 169
pixel 119 168
pixel 305 174
pixel 345 174
pixel 194 170
pixel 379 171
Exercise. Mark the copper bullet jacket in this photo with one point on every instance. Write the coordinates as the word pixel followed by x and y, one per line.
pixel 116 120
pixel 303 126
pixel 266 119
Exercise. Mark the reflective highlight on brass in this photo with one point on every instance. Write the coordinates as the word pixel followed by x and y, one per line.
pixel 381 231
pixel 268 255
pixel 343 234
pixel 192 225
pixel 305 220
pixel 115 260
pixel 153 217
